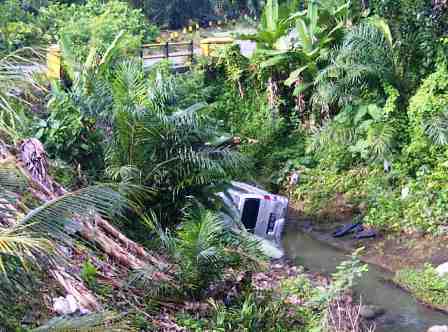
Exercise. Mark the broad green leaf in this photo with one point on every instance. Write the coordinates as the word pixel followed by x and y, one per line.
pixel 271 14
pixel 302 31
pixel 360 113
pixel 295 75
pixel 273 61
pixel 301 88
pixel 312 17
pixel 375 112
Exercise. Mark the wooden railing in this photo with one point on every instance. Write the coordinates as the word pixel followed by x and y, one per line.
pixel 168 50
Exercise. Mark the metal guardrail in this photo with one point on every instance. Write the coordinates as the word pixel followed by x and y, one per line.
pixel 163 51
pixel 168 50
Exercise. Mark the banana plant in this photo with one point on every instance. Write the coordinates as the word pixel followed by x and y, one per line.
pixel 317 29
pixel 274 26
pixel 299 38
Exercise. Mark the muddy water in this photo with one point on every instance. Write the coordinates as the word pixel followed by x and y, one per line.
pixel 403 312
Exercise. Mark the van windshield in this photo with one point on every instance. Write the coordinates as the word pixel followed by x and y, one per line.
pixel 250 213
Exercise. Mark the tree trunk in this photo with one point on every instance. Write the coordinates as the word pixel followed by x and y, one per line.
pixel 31 161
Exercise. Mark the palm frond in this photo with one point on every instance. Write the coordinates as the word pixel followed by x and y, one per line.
pixel 128 85
pixel 332 132
pixel 106 321
pixel 168 151
pixel 162 92
pixel 380 138
pixel 199 237
pixel 22 243
pixel 364 59
pixel 437 128
pixel 63 214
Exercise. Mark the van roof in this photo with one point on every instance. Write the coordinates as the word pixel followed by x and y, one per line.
pixel 248 189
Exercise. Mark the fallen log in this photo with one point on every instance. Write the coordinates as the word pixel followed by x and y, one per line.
pixel 31 161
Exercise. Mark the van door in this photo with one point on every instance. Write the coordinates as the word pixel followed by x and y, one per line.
pixel 250 209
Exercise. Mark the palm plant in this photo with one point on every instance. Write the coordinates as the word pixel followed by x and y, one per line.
pixel 149 141
pixel 18 82
pixel 204 245
pixel 200 246
pixel 317 29
pixel 169 150
pixel 169 153
pixel 364 60
pixel 437 128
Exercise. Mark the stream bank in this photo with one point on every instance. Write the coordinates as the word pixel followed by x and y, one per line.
pixel 403 313
pixel 392 252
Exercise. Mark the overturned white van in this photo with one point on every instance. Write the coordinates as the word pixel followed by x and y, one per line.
pixel 262 213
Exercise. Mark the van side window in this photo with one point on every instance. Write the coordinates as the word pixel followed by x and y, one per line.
pixel 250 213
pixel 271 223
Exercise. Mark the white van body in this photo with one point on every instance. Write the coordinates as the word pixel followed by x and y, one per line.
pixel 262 213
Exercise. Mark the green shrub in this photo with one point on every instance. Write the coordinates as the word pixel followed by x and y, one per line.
pixel 318 187
pixel 392 201
pixel 70 135
pixel 204 247
pixel 17 27
pixel 418 204
pixel 425 284
pixel 96 23
pixel 426 131
pixel 296 304
pixel 417 25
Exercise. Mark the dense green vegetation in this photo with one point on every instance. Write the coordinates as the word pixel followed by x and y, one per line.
pixel 353 97
pixel 344 101
pixel 426 284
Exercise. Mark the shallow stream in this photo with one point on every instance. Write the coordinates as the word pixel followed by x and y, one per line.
pixel 403 312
